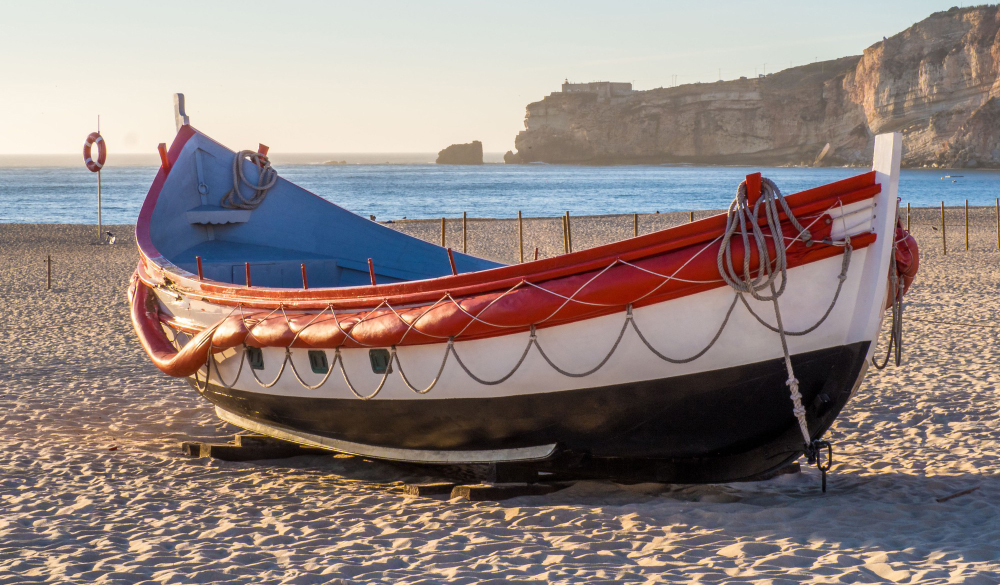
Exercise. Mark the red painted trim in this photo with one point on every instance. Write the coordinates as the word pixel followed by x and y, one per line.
pixel 148 252
pixel 164 161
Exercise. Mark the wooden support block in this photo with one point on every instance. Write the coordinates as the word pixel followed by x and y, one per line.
pixel 503 491
pixel 429 489
pixel 192 449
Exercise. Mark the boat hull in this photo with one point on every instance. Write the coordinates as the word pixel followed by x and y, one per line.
pixel 720 425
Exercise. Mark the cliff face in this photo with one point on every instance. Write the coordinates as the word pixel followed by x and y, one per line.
pixel 462 154
pixel 937 82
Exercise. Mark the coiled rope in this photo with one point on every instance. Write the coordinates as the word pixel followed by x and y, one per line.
pixel 266 179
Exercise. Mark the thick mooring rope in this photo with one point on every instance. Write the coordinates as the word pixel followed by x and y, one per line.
pixel 772 274
pixel 234 199
pixel 895 349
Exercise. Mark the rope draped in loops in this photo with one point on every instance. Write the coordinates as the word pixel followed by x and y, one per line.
pixel 768 284
pixel 895 349
pixel 266 179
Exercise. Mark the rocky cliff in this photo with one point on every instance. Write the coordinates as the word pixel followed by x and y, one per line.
pixel 462 154
pixel 937 82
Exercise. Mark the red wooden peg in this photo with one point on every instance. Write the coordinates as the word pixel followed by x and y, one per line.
pixel 247 264
pixel 164 161
pixel 371 271
pixel 753 188
pixel 305 279
pixel 200 275
pixel 451 260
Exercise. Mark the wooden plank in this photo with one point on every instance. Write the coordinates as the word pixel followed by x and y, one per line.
pixel 429 489
pixel 503 491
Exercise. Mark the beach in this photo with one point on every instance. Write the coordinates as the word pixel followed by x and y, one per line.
pixel 95 488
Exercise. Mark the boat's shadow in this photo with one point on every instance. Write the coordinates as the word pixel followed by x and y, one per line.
pixel 844 488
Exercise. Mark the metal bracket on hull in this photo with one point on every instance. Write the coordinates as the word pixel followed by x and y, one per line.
pixel 410 455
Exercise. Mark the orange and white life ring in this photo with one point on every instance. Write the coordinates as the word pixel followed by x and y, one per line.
pixel 102 152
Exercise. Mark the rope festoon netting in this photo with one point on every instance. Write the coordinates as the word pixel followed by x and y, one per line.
pixel 266 178
pixel 767 283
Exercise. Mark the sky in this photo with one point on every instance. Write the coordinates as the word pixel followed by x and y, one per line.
pixel 380 76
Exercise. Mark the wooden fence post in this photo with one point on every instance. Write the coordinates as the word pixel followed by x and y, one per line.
pixel 944 246
pixel 520 237
pixel 48 272
pixel 464 237
pixel 569 234
pixel 635 225
pixel 442 232
pixel 907 216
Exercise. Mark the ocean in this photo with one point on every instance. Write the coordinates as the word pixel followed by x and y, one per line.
pixel 36 193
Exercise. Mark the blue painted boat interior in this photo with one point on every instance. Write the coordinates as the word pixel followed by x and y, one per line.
pixel 291 227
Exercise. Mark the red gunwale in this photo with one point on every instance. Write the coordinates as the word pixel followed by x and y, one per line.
pixel 155 270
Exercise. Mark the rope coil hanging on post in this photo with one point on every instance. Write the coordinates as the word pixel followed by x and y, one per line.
pixel 769 283
pixel 266 179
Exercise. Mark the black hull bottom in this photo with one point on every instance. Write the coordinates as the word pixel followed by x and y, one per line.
pixel 722 425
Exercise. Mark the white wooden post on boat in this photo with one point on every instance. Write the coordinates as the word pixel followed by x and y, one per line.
pixel 888 152
pixel 180 116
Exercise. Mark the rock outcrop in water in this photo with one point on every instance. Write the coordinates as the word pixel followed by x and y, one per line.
pixel 462 154
pixel 938 82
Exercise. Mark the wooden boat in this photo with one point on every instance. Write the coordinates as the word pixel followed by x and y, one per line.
pixel 300 320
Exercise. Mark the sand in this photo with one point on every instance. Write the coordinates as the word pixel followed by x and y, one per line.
pixel 94 488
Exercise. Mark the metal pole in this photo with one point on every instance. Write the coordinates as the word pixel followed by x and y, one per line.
pixel 464 238
pixel 944 246
pixel 100 228
pixel 520 237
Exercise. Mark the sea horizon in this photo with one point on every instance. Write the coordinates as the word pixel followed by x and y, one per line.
pixel 414 190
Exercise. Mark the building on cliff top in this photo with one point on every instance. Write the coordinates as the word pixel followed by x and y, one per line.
pixel 605 90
